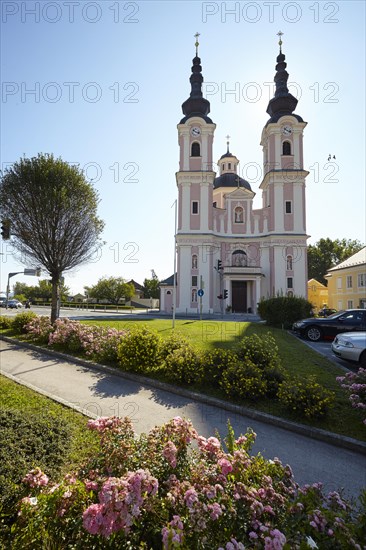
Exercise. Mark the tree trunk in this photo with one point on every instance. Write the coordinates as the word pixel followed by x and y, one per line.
pixel 55 305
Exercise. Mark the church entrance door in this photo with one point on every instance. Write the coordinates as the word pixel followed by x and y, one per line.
pixel 239 296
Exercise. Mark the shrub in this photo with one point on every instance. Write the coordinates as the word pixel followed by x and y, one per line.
pixel 260 350
pixel 174 341
pixel 355 384
pixel 274 375
pixel 139 350
pixel 184 365
pixel 159 491
pixel 243 379
pixel 102 345
pixel 215 363
pixel 263 352
pixel 72 335
pixel 21 321
pixel 99 343
pixel 308 398
pixel 6 322
pixel 40 329
pixel 283 311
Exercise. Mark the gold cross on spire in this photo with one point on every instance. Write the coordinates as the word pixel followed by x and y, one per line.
pixel 280 34
pixel 227 142
pixel 197 43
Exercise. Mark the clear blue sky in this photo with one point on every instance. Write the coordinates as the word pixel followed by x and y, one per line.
pixel 109 80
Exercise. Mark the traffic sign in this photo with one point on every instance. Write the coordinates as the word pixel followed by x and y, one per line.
pixel 34 272
pixel 200 293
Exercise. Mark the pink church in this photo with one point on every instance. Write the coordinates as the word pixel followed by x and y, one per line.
pixel 230 255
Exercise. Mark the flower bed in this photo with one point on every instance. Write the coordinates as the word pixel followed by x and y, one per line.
pixel 160 491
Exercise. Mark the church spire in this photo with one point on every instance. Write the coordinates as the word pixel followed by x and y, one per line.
pixel 196 104
pixel 283 103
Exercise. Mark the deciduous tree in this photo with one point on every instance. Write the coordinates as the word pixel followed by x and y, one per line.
pixel 112 289
pixel 53 216
pixel 151 286
pixel 327 253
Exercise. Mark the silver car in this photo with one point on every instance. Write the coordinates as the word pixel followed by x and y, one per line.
pixel 351 346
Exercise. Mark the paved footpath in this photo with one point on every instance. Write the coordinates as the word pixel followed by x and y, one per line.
pixel 103 394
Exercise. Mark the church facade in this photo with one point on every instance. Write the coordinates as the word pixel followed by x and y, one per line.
pixel 229 254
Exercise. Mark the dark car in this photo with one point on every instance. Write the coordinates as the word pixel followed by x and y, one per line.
pixel 14 304
pixel 327 328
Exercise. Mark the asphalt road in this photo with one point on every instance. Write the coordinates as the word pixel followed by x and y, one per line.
pixel 104 394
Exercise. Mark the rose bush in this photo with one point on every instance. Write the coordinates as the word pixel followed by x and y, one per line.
pixel 355 384
pixel 98 343
pixel 39 329
pixel 159 491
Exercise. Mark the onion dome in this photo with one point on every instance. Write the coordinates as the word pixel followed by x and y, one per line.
pixel 196 104
pixel 283 103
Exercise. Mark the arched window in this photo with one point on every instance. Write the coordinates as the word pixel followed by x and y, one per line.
pixel 194 261
pixel 239 258
pixel 168 292
pixel 238 215
pixel 286 148
pixel 194 295
pixel 196 149
pixel 289 263
pixel 229 166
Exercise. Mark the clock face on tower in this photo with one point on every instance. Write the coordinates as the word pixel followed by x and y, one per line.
pixel 287 130
pixel 195 131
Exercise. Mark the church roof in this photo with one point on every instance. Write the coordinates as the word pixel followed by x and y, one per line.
pixel 228 154
pixel 230 179
pixel 169 281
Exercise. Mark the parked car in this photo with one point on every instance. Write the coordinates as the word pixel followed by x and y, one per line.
pixel 14 304
pixel 317 328
pixel 351 346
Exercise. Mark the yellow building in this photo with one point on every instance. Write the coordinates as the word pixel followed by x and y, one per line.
pixel 317 294
pixel 347 283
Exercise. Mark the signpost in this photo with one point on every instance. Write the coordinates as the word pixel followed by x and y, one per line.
pixel 34 272
pixel 200 293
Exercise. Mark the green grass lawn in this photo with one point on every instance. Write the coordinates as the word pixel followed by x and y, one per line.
pixel 15 397
pixel 297 358
pixel 36 432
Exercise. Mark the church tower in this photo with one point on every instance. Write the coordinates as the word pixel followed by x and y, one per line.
pixel 195 196
pixel 284 252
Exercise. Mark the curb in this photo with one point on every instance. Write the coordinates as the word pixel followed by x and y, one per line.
pixel 313 433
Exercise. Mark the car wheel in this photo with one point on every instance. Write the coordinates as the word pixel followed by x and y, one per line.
pixel 362 359
pixel 314 334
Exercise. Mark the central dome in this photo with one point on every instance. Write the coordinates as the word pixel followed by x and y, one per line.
pixel 230 179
